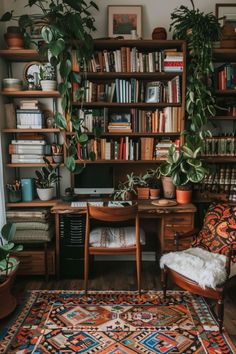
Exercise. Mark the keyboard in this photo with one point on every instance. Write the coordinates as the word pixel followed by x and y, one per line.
pixel 84 204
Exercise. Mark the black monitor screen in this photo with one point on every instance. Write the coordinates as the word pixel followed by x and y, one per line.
pixel 94 179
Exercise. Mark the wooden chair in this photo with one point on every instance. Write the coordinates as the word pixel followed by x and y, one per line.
pixel 193 269
pixel 109 240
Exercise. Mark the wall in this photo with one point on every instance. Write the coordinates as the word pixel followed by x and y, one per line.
pixel 155 13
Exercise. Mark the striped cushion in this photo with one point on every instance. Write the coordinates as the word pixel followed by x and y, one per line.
pixel 120 237
pixel 33 236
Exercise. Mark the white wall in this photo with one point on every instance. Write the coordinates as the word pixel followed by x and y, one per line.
pixel 155 13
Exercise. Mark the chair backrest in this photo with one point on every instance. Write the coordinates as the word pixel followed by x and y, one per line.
pixel 113 214
pixel 218 233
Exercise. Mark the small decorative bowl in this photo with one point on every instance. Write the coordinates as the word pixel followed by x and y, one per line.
pixel 11 84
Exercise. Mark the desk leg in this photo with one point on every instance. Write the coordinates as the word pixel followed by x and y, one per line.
pixel 57 225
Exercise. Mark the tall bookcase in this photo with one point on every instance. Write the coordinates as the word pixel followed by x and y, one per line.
pixel 220 149
pixel 127 81
pixel 32 260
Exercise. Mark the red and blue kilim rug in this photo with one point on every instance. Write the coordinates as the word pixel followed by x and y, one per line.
pixel 114 323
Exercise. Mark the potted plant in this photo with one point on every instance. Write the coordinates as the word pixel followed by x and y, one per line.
pixel 199 30
pixel 47 76
pixel 142 187
pixel 185 167
pixel 47 176
pixel 127 189
pixel 8 268
pixel 152 177
pixel 65 27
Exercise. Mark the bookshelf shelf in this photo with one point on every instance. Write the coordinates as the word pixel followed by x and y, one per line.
pixel 220 159
pixel 141 44
pixel 20 55
pixel 125 105
pixel 225 54
pixel 137 75
pixel 31 93
pixel 225 92
pixel 133 162
pixel 28 165
pixel 42 130
pixel 132 134
pixel 223 118
pixel 34 203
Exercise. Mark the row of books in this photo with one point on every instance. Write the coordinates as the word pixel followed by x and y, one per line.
pixel 133 91
pixel 221 181
pixel 226 76
pixel 128 59
pixel 220 146
pixel 125 148
pixel 166 120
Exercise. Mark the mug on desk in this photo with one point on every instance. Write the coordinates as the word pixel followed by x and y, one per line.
pixel 27 189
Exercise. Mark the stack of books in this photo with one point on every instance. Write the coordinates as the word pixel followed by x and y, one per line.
pixel 173 61
pixel 27 149
pixel 29 116
pixel 120 123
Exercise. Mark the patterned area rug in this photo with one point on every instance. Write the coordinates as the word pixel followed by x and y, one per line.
pixel 114 323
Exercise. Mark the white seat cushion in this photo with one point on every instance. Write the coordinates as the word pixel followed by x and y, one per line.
pixel 205 268
pixel 119 237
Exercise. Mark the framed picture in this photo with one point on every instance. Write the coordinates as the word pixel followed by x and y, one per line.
pixel 124 20
pixel 226 13
pixel 153 91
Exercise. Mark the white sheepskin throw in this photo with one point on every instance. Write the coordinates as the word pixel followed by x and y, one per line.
pixel 205 268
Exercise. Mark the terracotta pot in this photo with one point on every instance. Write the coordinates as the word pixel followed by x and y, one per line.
pixel 159 33
pixel 183 196
pixel 7 300
pixel 154 193
pixel 14 40
pixel 168 187
pixel 143 193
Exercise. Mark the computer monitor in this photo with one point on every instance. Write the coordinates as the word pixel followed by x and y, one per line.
pixel 94 180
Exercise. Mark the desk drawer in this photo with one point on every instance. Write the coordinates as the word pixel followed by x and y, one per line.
pixel 32 262
pixel 179 219
pixel 169 232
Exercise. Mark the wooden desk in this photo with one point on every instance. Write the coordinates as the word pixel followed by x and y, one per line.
pixel 176 218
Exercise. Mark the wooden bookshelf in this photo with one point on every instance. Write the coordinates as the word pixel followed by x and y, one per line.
pixel 42 130
pixel 143 105
pixel 31 93
pixel 20 55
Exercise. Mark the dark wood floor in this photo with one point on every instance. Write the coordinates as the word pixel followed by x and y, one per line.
pixel 121 276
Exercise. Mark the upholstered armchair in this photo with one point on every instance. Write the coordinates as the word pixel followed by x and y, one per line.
pixel 205 268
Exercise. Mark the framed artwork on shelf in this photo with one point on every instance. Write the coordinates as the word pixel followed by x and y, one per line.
pixel 125 21
pixel 226 13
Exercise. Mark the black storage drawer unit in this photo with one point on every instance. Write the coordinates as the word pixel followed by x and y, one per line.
pixel 72 234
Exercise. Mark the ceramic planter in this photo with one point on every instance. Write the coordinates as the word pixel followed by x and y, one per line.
pixel 143 192
pixel 45 193
pixel 168 187
pixel 183 196
pixel 48 85
pixel 7 300
pixel 57 158
pixel 154 193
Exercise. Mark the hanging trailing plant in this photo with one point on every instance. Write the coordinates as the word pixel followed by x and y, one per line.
pixel 66 27
pixel 199 30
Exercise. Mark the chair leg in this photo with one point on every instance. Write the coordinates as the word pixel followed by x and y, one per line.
pixel 220 312
pixel 46 260
pixel 164 281
pixel 138 269
pixel 86 270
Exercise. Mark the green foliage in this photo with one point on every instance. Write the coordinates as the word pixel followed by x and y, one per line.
pixel 126 187
pixel 198 30
pixel 152 178
pixel 185 166
pixel 66 25
pixel 47 176
pixel 7 247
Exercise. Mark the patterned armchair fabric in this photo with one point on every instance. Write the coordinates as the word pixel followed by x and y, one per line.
pixel 219 229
